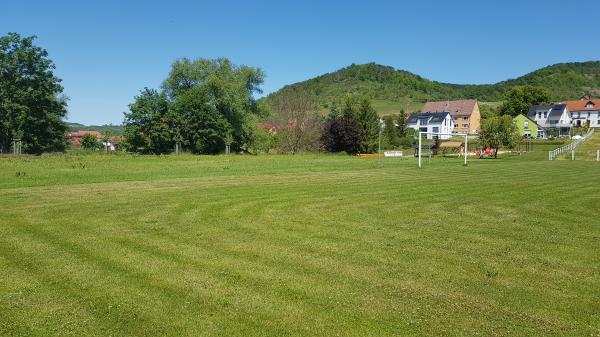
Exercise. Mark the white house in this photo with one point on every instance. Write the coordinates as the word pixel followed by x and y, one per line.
pixel 553 116
pixel 437 122
pixel 584 111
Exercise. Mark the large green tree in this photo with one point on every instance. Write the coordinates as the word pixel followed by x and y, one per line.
pixel 203 103
pixel 150 126
pixel 497 132
pixel 216 97
pixel 518 99
pixel 32 107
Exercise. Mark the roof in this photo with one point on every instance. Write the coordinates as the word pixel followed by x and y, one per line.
pixel 556 111
pixel 463 107
pixel 85 132
pixel 581 105
pixel 430 117
pixel 553 110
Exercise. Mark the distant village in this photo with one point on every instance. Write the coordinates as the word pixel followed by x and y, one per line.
pixel 540 122
pixel 458 116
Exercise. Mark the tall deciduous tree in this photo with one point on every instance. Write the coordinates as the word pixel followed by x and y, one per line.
pixel 216 97
pixel 205 104
pixel 150 125
pixel 518 99
pixel 298 122
pixel 31 103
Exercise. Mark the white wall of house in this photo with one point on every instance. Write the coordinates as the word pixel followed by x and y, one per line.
pixel 580 118
pixel 446 126
pixel 563 121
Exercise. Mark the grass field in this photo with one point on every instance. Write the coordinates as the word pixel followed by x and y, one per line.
pixel 311 245
pixel 587 149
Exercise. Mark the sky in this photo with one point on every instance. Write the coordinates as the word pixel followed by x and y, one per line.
pixel 107 51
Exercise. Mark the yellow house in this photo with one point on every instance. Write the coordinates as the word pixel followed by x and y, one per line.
pixel 465 113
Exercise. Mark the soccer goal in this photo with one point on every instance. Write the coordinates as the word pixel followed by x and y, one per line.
pixel 441 136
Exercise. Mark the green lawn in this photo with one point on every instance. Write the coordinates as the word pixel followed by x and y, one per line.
pixel 587 149
pixel 311 245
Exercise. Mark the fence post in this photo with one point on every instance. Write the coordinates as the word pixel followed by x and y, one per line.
pixel 597 155
pixel 572 154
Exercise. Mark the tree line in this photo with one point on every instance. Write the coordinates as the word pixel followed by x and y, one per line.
pixel 350 125
pixel 206 106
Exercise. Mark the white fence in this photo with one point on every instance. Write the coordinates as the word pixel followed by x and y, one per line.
pixel 569 147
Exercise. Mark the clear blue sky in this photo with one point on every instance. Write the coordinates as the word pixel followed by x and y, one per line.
pixel 106 51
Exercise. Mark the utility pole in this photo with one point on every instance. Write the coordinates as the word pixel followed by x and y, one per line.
pixel 381 126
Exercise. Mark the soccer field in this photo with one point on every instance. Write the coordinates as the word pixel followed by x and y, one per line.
pixel 310 245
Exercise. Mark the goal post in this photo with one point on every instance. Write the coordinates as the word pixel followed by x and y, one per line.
pixel 466 147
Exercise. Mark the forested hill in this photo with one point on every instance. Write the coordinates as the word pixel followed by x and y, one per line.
pixel 391 88
pixel 115 130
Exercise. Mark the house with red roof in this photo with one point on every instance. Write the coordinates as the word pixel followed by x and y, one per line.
pixel 584 111
pixel 75 137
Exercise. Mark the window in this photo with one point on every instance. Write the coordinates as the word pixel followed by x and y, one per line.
pixel 465 126
pixel 526 125
pixel 545 114
pixel 455 125
pixel 465 118
pixel 436 129
pixel 539 114
pixel 590 105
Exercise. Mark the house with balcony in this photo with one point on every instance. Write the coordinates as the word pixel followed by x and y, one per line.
pixel 553 116
pixel 435 122
pixel 465 113
pixel 584 111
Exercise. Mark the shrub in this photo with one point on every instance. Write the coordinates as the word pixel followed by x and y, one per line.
pixel 89 142
pixel 342 134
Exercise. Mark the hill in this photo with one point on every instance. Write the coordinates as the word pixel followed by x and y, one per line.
pixel 116 130
pixel 392 89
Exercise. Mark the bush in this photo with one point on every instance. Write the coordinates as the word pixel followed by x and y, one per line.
pixel 342 134
pixel 89 142
pixel 263 142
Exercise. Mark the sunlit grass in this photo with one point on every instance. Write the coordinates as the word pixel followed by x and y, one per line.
pixel 308 245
